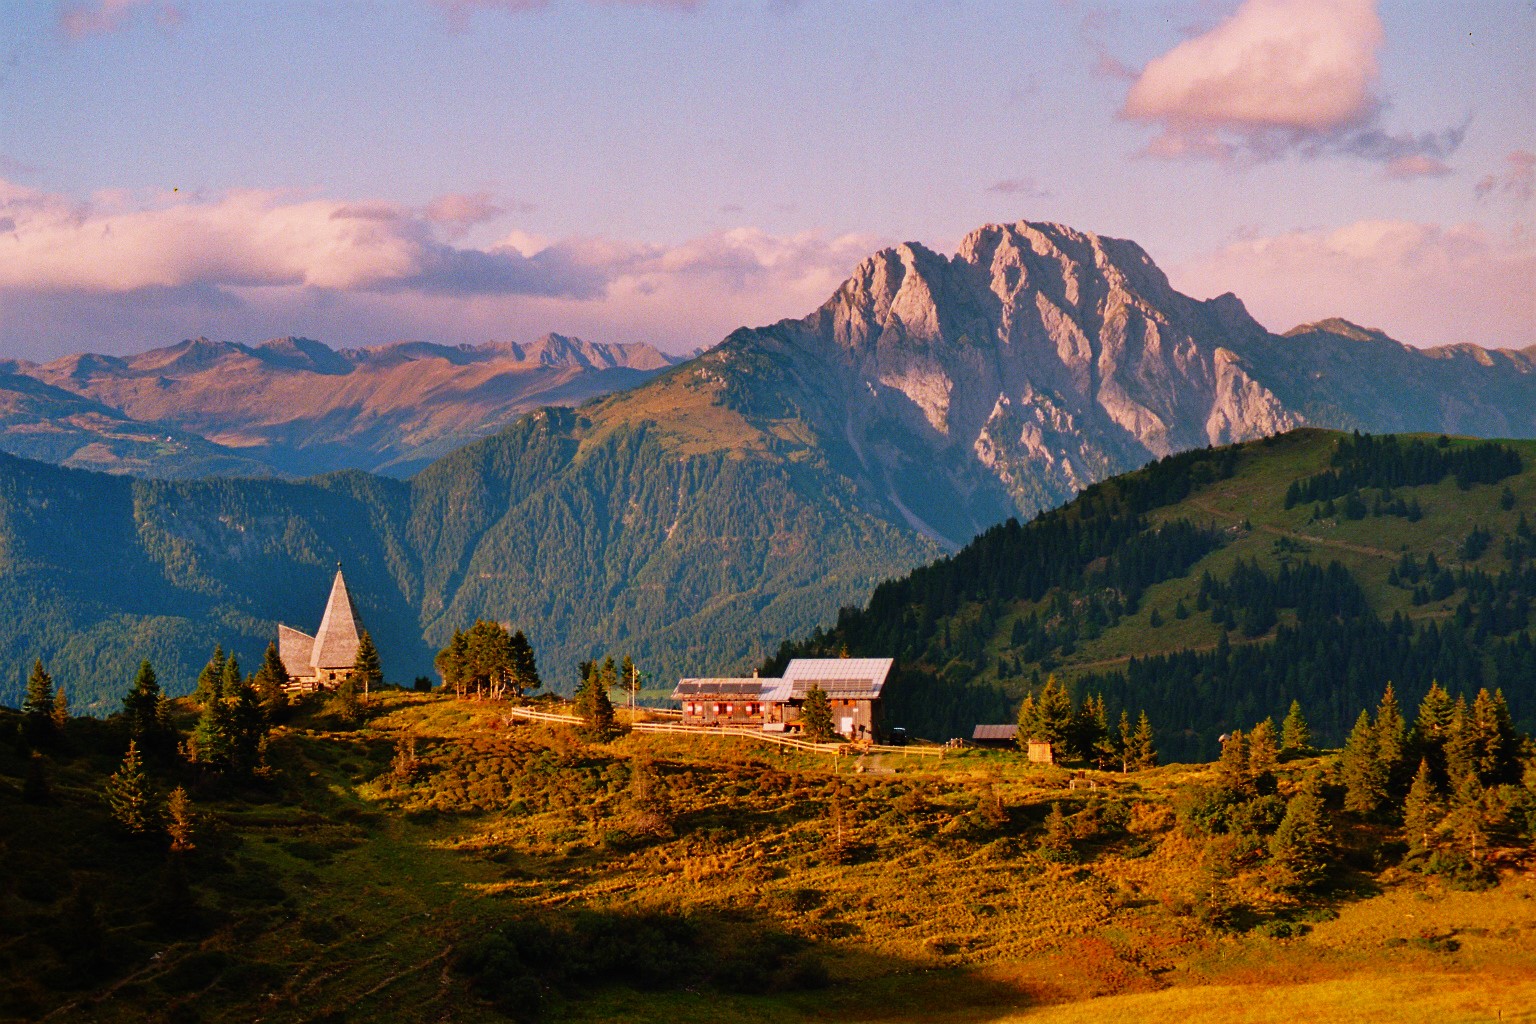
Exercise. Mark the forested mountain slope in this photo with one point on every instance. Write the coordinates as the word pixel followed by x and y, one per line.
pixel 736 499
pixel 1215 587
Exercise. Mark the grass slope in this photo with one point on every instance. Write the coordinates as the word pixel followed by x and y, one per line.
pixel 971 648
pixel 338 892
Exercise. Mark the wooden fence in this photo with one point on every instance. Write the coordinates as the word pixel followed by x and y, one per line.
pixel 776 739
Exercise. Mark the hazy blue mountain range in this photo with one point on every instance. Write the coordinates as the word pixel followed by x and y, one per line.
pixel 731 501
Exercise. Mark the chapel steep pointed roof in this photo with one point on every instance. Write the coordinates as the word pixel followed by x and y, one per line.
pixel 340 632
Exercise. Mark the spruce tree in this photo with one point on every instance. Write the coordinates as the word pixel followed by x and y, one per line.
pixel 1127 735
pixel 1295 734
pixel 212 737
pixel 816 715
pixel 452 662
pixel 210 681
pixel 1391 737
pixel 594 707
pixel 1106 746
pixel 179 819
pixel 37 708
pixel 145 709
pixel 1467 819
pixel 230 681
pixel 247 728
pixel 1233 766
pixel 129 795
pixel 1461 744
pixel 60 711
pixel 1364 780
pixel 270 681
pixel 366 669
pixel 1422 811
pixel 1300 846
pixel 1056 840
pixel 525 667
pixel 1262 752
pixel 1143 746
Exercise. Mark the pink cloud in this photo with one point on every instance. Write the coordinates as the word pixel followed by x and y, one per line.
pixel 106 16
pixel 1308 65
pixel 1280 77
pixel 1425 284
pixel 1517 178
pixel 459 10
pixel 249 264
pixel 1417 166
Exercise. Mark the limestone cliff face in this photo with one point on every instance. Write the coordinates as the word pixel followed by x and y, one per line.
pixel 1036 360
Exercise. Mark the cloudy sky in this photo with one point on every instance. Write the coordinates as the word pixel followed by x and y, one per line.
pixel 666 170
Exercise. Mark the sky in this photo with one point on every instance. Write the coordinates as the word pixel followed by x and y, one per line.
pixel 665 171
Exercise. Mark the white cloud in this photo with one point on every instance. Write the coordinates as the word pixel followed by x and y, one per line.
pixel 1424 284
pixel 1281 77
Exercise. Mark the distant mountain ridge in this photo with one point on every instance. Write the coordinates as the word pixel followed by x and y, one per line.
pixel 293 406
pixel 730 501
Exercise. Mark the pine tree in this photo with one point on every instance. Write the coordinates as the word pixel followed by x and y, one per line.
pixel 247 728
pixel 366 670
pixel 129 795
pixel 37 708
pixel 1233 766
pixel 210 681
pixel 594 707
pixel 1262 752
pixel 1422 811
pixel 1461 744
pixel 60 711
pixel 1056 840
pixel 1106 747
pixel 816 715
pixel 525 668
pixel 212 739
pixel 230 680
pixel 1300 846
pixel 1295 734
pixel 1365 784
pixel 1467 820
pixel 270 681
pixel 179 819
pixel 145 709
pixel 609 679
pixel 1126 734
pixel 1391 742
pixel 1143 747
pixel 452 662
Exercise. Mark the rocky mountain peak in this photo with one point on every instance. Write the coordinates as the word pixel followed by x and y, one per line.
pixel 1339 327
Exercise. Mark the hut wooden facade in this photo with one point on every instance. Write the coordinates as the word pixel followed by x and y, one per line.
pixel 853 687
